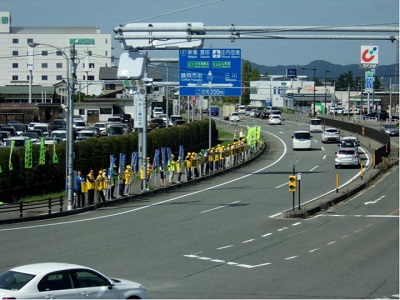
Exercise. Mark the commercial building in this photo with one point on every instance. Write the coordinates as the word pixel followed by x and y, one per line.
pixel 49 66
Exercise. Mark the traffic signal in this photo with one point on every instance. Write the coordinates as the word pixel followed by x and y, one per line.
pixel 292 183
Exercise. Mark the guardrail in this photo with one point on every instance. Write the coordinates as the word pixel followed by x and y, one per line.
pixel 24 207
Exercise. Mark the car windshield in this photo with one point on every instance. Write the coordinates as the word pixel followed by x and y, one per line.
pixel 14 281
pixel 331 130
pixel 315 122
pixel 390 126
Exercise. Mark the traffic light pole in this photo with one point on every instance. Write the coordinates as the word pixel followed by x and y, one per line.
pixel 294 193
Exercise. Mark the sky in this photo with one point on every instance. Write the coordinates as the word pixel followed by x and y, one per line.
pixel 107 14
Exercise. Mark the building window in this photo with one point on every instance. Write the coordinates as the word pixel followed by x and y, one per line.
pixel 91 65
pixel 90 53
pixel 90 77
pixel 106 53
pixel 59 65
pixel 29 40
pixel 15 77
pixel 81 111
pixel 110 86
pixel 105 111
pixel 44 77
pixel 59 53
pixel 15 65
pixel 45 53
pixel 28 77
pixel 15 41
pixel 15 53
pixel 59 77
pixel 45 65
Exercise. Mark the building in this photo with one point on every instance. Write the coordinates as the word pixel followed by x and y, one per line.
pixel 48 63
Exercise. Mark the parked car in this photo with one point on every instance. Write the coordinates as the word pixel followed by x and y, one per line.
pixel 85 134
pixel 347 157
pixel 19 128
pixel 274 120
pixel 156 123
pixel 19 141
pixel 102 127
pixel 157 111
pixel 234 117
pixel 330 135
pixel 173 118
pixel 114 119
pixel 65 281
pixel 33 136
pixel 4 135
pixel 58 124
pixel 126 118
pixel 79 125
pixel 62 134
pixel 390 129
pixel 115 129
pixel 44 127
pixel 179 122
pixel 96 130
pixel 264 114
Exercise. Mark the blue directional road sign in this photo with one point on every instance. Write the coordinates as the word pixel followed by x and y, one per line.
pixel 210 72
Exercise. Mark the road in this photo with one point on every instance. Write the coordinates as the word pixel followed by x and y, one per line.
pixel 224 238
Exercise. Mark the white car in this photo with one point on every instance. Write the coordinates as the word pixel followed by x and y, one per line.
pixel 64 280
pixel 330 135
pixel 157 111
pixel 301 140
pixel 274 120
pixel 234 117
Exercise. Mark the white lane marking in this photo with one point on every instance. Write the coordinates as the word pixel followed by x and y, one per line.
pixel 375 201
pixel 296 224
pixel 313 250
pixel 367 165
pixel 224 247
pixel 322 148
pixel 248 241
pixel 331 243
pixel 230 263
pixel 282 229
pixel 313 168
pixel 324 157
pixel 218 207
pixel 161 202
pixel 267 234
pixel 283 184
pixel 291 257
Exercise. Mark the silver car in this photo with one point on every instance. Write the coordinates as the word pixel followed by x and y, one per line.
pixel 65 281
pixel 347 157
pixel 390 129
pixel 330 135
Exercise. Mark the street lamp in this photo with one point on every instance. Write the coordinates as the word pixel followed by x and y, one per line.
pixel 312 69
pixel 70 135
pixel 326 71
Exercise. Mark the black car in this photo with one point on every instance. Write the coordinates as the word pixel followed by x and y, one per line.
pixel 126 118
pixel 264 115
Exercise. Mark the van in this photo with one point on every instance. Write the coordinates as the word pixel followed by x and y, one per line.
pixel 316 125
pixel 241 109
pixel 301 140
pixel 214 110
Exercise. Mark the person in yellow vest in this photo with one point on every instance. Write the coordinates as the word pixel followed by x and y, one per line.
pixel 171 169
pixel 211 155
pixel 179 167
pixel 242 135
pixel 100 187
pixel 188 166
pixel 127 179
pixel 235 136
pixel 90 181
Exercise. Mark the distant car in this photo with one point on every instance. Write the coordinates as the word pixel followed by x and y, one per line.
pixel 347 157
pixel 33 136
pixel 264 114
pixel 44 127
pixel 330 135
pixel 274 120
pixel 85 134
pixel 156 123
pixel 157 111
pixel 173 118
pixel 390 129
pixel 96 130
pixel 179 122
pixel 62 134
pixel 58 124
pixel 115 129
pixel 301 140
pixel 79 125
pixel 349 142
pixel 19 141
pixel 65 281
pixel 234 117
pixel 164 117
pixel 126 118
pixel 19 128
pixel 102 127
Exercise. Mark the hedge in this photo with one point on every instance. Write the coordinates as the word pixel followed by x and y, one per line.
pixel 93 154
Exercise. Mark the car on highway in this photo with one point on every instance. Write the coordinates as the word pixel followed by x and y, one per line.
pixel 330 135
pixel 347 157
pixel 349 142
pixel 157 111
pixel 390 129
pixel 234 117
pixel 274 120
pixel 65 281
pixel 316 125
pixel 301 140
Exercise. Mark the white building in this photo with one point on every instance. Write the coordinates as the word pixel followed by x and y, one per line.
pixel 93 50
pixel 280 91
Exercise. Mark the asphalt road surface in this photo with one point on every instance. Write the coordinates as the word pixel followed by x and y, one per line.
pixel 224 238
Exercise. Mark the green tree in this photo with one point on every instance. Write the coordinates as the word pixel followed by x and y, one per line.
pixel 344 81
pixel 248 74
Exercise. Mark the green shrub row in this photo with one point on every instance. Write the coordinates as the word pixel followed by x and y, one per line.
pixel 92 154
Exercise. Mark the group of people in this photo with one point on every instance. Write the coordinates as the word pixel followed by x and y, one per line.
pixel 192 165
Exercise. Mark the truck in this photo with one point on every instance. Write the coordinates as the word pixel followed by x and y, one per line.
pixel 227 109
pixel 214 110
